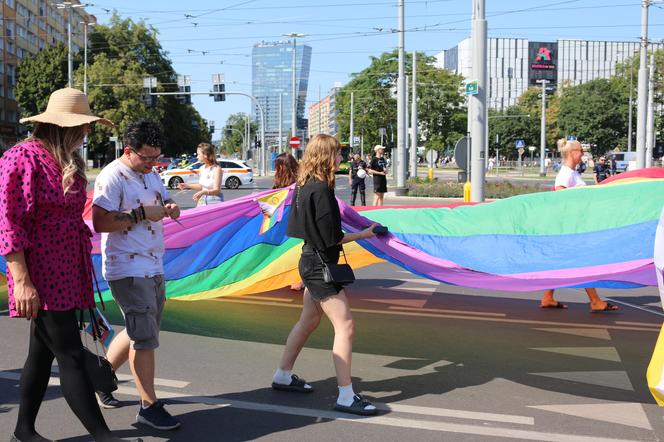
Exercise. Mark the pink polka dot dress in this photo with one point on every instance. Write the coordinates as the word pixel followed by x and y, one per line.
pixel 38 218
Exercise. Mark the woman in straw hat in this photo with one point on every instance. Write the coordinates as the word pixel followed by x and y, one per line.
pixel 47 247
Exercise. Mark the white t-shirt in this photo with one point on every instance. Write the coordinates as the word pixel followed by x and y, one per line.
pixel 568 178
pixel 137 251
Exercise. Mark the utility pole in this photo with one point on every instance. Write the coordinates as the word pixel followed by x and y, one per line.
pixel 281 120
pixel 650 124
pixel 413 122
pixel 478 109
pixel 641 115
pixel 402 125
pixel 543 130
pixel 631 105
pixel 352 123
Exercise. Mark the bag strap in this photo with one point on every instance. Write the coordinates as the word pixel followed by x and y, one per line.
pixel 324 262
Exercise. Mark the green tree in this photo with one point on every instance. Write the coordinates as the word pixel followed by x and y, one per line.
pixel 233 132
pixel 596 113
pixel 510 125
pixel 38 76
pixel 442 116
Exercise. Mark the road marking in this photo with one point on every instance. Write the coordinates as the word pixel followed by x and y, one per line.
pixel 401 288
pixel 460 414
pixel 129 378
pixel 432 310
pixel 603 353
pixel 261 298
pixel 638 307
pixel 639 324
pixel 450 316
pixel 442 427
pixel 419 281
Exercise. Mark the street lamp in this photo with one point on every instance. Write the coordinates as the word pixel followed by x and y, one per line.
pixel 294 36
pixel 85 54
pixel 68 6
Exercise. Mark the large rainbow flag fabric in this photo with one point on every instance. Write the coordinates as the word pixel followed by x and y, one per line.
pixel 594 236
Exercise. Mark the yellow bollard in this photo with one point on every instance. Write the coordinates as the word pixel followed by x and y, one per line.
pixel 466 192
pixel 431 174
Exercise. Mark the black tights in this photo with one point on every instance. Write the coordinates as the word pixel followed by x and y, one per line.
pixel 56 335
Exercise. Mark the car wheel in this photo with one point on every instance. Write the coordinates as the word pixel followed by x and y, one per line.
pixel 233 182
pixel 173 183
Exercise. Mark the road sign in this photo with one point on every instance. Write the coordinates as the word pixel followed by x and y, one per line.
pixel 461 153
pixel 571 138
pixel 294 142
pixel 356 140
pixel 521 151
pixel 520 144
pixel 472 87
pixel 532 148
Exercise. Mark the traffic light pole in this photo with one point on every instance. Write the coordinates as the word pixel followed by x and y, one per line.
pixel 262 163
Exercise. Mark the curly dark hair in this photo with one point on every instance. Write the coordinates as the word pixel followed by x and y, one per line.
pixel 144 133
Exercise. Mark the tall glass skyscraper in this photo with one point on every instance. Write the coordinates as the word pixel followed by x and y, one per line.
pixel 272 72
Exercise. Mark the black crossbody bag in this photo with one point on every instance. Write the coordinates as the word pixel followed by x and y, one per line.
pixel 341 274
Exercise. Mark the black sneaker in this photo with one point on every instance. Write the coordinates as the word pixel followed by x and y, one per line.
pixel 157 417
pixel 106 400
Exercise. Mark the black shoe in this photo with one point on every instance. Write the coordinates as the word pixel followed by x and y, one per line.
pixel 106 400
pixel 157 417
pixel 297 385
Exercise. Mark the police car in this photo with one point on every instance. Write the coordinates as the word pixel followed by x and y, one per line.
pixel 236 173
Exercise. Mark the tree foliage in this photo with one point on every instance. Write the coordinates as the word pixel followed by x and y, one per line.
pixel 233 132
pixel 442 117
pixel 120 56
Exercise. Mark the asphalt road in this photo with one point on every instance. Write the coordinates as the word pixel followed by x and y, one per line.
pixel 443 362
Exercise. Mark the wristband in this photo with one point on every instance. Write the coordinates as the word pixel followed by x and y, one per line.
pixel 142 212
pixel 134 216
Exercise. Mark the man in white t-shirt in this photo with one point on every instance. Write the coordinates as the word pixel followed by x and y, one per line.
pixel 129 204
pixel 567 177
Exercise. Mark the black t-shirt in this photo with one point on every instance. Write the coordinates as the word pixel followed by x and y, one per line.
pixel 602 171
pixel 378 164
pixel 315 217
pixel 355 166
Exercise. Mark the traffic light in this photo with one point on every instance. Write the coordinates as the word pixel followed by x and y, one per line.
pixel 149 83
pixel 218 86
pixel 184 85
pixel 228 131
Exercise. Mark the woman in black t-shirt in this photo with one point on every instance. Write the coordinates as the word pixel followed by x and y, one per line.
pixel 314 217
pixel 378 168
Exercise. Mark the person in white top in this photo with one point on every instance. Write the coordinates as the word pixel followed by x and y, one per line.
pixel 567 177
pixel 209 177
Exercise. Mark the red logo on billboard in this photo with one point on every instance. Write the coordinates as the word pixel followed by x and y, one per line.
pixel 543 54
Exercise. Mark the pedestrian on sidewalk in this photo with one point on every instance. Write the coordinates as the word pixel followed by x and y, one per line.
pixel 129 204
pixel 47 247
pixel 357 173
pixel 210 177
pixel 315 218
pixel 285 174
pixel 567 177
pixel 378 169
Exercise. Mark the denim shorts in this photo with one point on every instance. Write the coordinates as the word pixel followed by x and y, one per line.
pixel 311 272
pixel 141 301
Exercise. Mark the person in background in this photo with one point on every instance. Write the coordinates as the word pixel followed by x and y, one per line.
pixel 129 204
pixel 601 170
pixel 315 218
pixel 210 177
pixel 47 247
pixel 378 169
pixel 285 174
pixel 355 181
pixel 567 177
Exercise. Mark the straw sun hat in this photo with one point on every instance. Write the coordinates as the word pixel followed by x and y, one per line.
pixel 67 107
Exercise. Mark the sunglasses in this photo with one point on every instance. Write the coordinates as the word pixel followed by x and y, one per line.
pixel 147 159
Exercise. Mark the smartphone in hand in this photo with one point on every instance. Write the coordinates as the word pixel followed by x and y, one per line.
pixel 380 230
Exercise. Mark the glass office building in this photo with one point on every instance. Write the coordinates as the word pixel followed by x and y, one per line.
pixel 271 77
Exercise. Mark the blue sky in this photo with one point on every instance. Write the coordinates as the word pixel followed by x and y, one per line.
pixel 204 37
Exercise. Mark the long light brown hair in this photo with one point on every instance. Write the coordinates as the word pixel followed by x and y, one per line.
pixel 209 154
pixel 285 170
pixel 319 161
pixel 63 143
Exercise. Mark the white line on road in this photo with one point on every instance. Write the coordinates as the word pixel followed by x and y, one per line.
pixel 443 427
pixel 420 281
pixel 638 307
pixel 440 310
